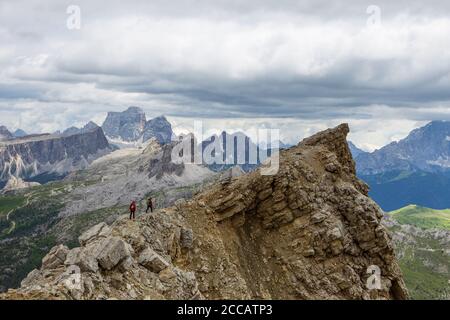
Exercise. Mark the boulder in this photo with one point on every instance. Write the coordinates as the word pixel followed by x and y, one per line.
pixel 33 276
pixel 55 257
pixel 80 257
pixel 152 261
pixel 111 251
pixel 97 231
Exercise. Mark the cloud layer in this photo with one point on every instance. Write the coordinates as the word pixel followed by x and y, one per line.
pixel 297 65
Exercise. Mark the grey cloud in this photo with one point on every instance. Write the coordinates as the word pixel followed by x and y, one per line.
pixel 301 60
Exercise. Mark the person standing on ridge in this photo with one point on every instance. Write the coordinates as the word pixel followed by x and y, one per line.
pixel 149 205
pixel 132 209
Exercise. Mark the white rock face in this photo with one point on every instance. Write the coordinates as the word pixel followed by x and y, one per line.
pixel 51 153
pixel 81 258
pixel 111 251
pixel 99 230
pixel 152 261
pixel 17 184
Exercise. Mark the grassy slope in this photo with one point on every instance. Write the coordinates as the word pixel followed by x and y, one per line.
pixel 418 261
pixel 422 280
pixel 39 226
pixel 8 203
pixel 422 217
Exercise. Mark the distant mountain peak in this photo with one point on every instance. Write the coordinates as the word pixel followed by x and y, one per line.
pixel 5 134
pixel 354 149
pixel 90 126
pixel 131 126
pixel 134 109
pixel 426 148
pixel 19 133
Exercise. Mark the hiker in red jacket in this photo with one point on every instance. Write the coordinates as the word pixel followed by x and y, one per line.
pixel 132 209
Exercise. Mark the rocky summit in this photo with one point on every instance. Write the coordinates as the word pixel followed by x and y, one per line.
pixel 308 232
pixel 132 126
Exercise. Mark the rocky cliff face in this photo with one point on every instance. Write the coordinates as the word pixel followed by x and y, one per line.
pixel 14 184
pixel 158 128
pixel 308 232
pixel 127 125
pixel 32 155
pixel 131 126
pixel 5 134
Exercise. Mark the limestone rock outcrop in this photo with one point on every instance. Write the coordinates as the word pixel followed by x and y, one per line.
pixel 310 231
pixel 57 154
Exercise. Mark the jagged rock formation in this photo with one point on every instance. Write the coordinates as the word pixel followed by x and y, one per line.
pixel 36 154
pixel 308 232
pixel 158 128
pixel 74 130
pixel 162 163
pixel 228 150
pixel 131 126
pixel 16 184
pixel 5 134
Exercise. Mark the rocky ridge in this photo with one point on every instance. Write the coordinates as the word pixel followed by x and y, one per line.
pixel 36 154
pixel 308 232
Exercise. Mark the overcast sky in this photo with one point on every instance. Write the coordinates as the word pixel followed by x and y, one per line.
pixel 300 66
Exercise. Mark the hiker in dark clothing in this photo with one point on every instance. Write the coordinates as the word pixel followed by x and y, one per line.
pixel 132 209
pixel 149 205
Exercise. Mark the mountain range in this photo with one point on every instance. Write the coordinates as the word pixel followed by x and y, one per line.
pixel 424 149
pixel 44 157
pixel 246 154
pixel 310 231
pixel 131 126
pixel 354 149
pixel 414 170
pixel 101 192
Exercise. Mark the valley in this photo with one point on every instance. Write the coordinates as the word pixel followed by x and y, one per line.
pixel 37 217
pixel 422 241
pixel 34 220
